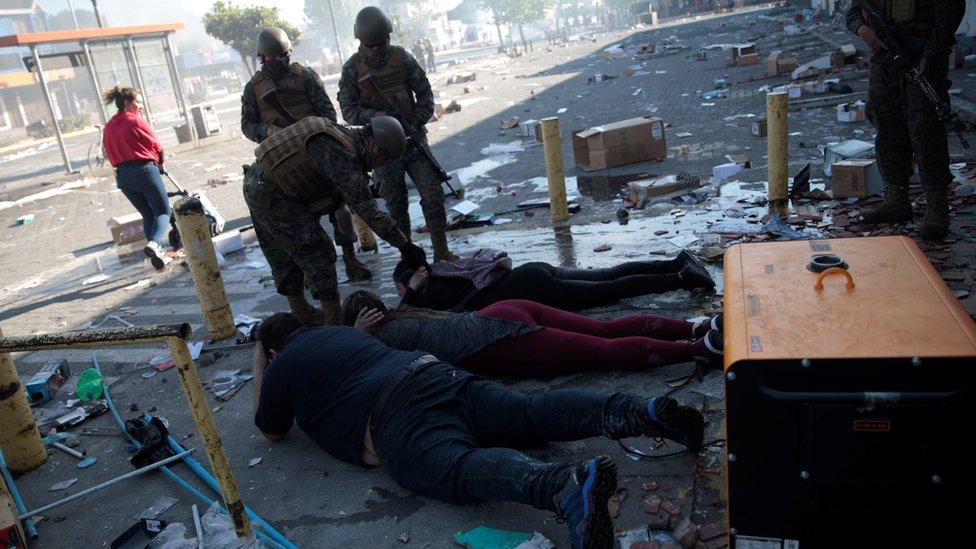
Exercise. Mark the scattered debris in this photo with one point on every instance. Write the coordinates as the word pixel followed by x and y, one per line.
pixel 159 507
pixel 603 248
pixel 404 537
pixel 63 485
pixel 484 537
pixel 253 462
pixel 508 124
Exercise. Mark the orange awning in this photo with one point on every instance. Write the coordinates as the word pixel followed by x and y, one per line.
pixel 37 38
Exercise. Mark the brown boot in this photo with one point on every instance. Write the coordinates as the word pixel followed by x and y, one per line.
pixel 439 243
pixel 897 207
pixel 935 225
pixel 355 270
pixel 310 315
pixel 330 311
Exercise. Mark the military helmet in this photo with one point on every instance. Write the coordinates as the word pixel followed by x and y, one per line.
pixel 372 26
pixel 389 136
pixel 273 41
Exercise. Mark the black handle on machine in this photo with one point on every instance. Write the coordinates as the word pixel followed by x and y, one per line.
pixel 180 191
pixel 865 398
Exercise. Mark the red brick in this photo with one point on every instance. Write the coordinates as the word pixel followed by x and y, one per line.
pixel 712 530
pixel 649 486
pixel 652 504
pixel 659 521
pixel 670 508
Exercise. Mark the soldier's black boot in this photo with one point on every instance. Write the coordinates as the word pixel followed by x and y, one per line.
pixel 896 208
pixel 330 311
pixel 935 225
pixel 310 315
pixel 439 243
pixel 355 270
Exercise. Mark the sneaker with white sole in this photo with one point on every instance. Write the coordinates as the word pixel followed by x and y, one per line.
pixel 154 251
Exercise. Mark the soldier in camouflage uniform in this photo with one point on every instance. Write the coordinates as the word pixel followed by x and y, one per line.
pixel 402 80
pixel 302 94
pixel 303 172
pixel 906 122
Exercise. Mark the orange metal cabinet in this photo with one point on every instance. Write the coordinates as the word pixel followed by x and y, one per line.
pixel 849 396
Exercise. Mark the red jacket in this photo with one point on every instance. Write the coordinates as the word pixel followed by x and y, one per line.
pixel 128 137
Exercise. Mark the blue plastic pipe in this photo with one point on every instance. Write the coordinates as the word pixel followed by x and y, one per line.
pixel 266 533
pixel 18 501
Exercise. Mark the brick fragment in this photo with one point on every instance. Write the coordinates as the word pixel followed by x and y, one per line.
pixel 652 504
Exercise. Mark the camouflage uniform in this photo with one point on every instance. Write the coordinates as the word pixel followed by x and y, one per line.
pixel 298 250
pixel 256 130
pixel 418 102
pixel 906 122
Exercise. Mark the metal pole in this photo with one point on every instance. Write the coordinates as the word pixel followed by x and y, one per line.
pixel 106 484
pixel 202 260
pixel 197 527
pixel 777 151
pixel 50 106
pixel 212 445
pixel 20 440
pixel 335 29
pixel 136 75
pixel 174 72
pixel 553 148
pixel 98 16
pixel 90 63
pixel 95 338
pixel 74 17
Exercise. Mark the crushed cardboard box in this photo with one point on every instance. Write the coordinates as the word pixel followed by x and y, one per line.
pixel 126 228
pixel 619 143
pixel 851 112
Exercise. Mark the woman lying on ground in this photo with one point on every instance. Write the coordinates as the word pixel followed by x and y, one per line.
pixel 527 339
pixel 474 283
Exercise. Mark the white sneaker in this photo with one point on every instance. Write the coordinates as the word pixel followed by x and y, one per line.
pixel 154 251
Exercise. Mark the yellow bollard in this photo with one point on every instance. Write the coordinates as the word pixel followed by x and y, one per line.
pixel 19 439
pixel 553 147
pixel 202 259
pixel 367 240
pixel 208 432
pixel 778 152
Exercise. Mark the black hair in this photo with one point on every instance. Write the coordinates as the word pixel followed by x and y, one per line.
pixel 120 96
pixel 356 302
pixel 277 330
pixel 402 273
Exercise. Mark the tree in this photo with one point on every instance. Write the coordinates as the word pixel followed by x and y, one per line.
pixel 498 15
pixel 318 16
pixel 239 27
pixel 520 12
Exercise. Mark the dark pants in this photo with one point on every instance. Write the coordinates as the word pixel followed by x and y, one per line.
pixel 907 123
pixel 574 289
pixel 393 190
pixel 449 435
pixel 143 186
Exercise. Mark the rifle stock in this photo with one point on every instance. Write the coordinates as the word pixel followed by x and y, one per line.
pixel 368 84
pixel 271 98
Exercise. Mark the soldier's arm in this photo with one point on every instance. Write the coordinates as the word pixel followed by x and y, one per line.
pixel 315 91
pixel 424 96
pixel 346 171
pixel 251 124
pixel 349 100
pixel 854 19
pixel 948 16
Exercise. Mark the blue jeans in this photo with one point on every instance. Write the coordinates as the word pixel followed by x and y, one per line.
pixel 143 186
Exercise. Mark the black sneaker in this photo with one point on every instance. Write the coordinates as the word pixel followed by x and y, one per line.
pixel 582 503
pixel 682 424
pixel 709 348
pixel 154 251
pixel 701 328
pixel 693 274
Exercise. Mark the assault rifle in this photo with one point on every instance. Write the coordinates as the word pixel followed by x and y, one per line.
pixel 368 84
pixel 271 98
pixel 894 62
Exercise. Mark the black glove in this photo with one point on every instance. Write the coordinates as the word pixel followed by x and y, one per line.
pixel 413 255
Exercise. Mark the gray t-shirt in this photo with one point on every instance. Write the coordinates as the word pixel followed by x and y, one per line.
pixel 450 338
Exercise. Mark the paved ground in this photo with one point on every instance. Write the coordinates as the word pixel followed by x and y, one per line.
pixel 314 499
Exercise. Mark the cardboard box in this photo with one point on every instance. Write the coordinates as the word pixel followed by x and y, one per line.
pixel 126 229
pixel 786 64
pixel 11 531
pixel 47 381
pixel 794 92
pixel 747 59
pixel 619 143
pixel 772 63
pixel 659 187
pixel 858 177
pixel 850 112
pixel 758 128
pixel 229 242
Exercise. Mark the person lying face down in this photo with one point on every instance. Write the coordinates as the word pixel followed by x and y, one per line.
pixel 561 287
pixel 371 405
pixel 522 338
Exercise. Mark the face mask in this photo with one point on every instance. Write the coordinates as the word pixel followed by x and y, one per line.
pixel 274 67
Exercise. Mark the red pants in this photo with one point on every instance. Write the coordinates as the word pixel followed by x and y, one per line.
pixel 570 343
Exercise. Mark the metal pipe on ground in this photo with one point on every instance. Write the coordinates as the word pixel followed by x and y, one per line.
pixel 20 441
pixel 778 151
pixel 202 260
pixel 556 174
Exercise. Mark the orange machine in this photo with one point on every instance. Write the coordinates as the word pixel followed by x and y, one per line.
pixel 849 372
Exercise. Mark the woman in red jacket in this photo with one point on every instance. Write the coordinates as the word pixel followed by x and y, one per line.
pixel 137 156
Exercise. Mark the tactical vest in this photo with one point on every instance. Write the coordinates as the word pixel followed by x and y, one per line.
pixel 284 159
pixel 391 79
pixel 909 15
pixel 291 91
